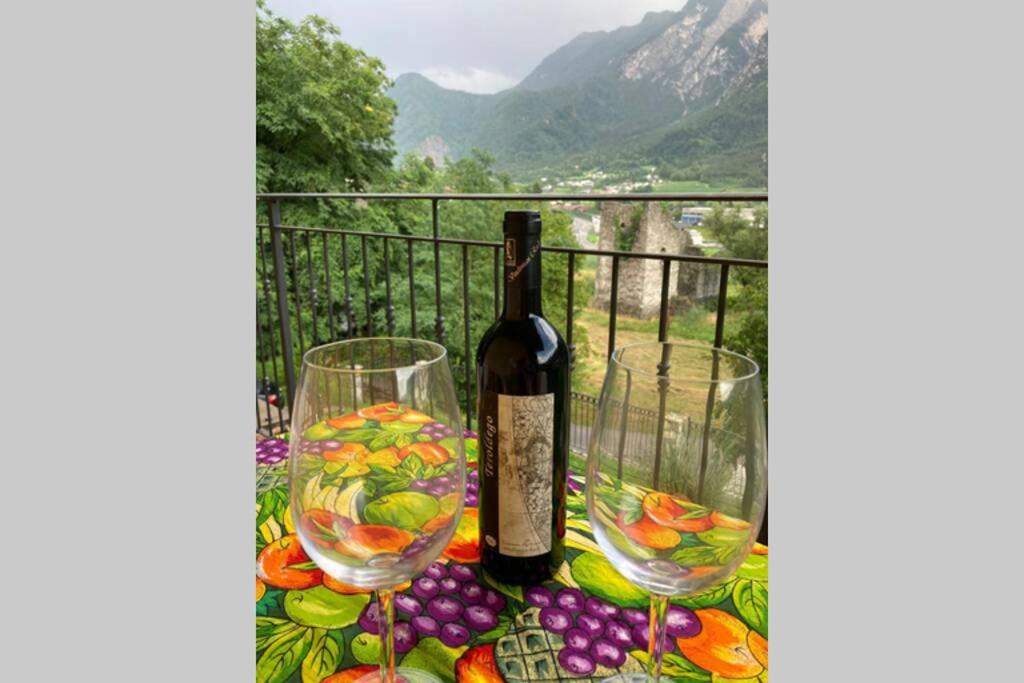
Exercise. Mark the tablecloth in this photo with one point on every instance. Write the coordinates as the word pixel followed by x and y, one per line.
pixel 311 629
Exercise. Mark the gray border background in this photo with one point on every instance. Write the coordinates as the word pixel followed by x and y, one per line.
pixel 127 251
pixel 895 147
pixel 127 167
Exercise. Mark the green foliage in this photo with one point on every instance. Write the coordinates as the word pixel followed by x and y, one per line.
pixel 323 118
pixel 743 239
pixel 626 233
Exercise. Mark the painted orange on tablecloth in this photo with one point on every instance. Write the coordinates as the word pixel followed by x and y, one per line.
pixel 274 565
pixel 318 526
pixel 718 519
pixel 722 646
pixel 261 588
pixel 366 540
pixel 382 412
pixel 349 675
pixel 648 533
pixel 465 544
pixel 668 511
pixel 347 422
pixel 758 647
pixel 415 417
pixel 430 453
pixel 349 452
pixel 477 665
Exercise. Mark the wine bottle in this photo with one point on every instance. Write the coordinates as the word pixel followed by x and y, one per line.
pixel 523 408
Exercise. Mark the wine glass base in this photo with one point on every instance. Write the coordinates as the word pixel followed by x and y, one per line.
pixel 402 675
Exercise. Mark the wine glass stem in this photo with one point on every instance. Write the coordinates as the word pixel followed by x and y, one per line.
pixel 659 612
pixel 386 623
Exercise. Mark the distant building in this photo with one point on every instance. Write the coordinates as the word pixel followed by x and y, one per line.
pixel 690 219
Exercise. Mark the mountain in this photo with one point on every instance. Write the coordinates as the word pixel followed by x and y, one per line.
pixel 596 53
pixel 685 91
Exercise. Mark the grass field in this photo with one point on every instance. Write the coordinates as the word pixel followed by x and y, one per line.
pixel 697 325
pixel 700 186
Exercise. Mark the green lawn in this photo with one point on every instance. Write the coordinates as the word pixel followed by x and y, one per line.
pixel 701 186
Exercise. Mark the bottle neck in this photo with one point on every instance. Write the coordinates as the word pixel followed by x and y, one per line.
pixel 522 276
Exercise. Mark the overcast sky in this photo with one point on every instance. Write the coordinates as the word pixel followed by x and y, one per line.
pixel 474 45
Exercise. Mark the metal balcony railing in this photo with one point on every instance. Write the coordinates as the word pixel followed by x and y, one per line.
pixel 293 311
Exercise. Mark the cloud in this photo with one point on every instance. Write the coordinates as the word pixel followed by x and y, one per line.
pixel 469 79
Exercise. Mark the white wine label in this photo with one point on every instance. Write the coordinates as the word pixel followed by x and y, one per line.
pixel 525 469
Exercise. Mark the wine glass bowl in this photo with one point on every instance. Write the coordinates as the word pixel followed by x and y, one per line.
pixel 676 470
pixel 376 465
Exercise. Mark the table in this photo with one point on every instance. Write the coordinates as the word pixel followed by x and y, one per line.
pixel 308 626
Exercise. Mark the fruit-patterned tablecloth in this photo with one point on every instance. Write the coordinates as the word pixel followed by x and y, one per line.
pixel 586 624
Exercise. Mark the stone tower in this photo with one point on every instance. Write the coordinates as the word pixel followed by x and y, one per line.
pixel 639 293
pixel 639 279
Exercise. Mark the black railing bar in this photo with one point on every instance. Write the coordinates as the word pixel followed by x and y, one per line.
pixel 266 301
pixel 531 196
pixel 313 294
pixel 465 324
pixel 327 287
pixel 663 367
pixel 263 371
pixel 663 380
pixel 723 288
pixel 389 311
pixel 570 301
pixel 412 289
pixel 688 258
pixel 436 229
pixel 283 321
pixel 624 421
pixel 349 314
pixel 613 306
pixel 366 294
pixel 295 289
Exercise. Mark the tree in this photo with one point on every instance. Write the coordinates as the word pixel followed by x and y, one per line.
pixel 746 239
pixel 323 117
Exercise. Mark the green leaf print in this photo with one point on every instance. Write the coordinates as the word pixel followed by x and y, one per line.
pixel 362 436
pixel 269 628
pixel 401 427
pixel 283 656
pixel 325 653
pixel 382 441
pixel 707 598
pixel 751 600
pixel 722 537
pixel 696 556
pixel 754 567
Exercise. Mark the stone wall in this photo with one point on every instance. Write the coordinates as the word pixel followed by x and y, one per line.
pixel 639 293
pixel 698 282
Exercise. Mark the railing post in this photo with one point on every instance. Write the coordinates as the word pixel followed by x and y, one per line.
pixel 663 368
pixel 439 323
pixel 284 321
pixel 723 288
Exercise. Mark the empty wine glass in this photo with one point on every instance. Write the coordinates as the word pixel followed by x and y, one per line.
pixel 377 468
pixel 676 503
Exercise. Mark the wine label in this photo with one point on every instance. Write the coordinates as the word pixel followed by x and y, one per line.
pixel 525 467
